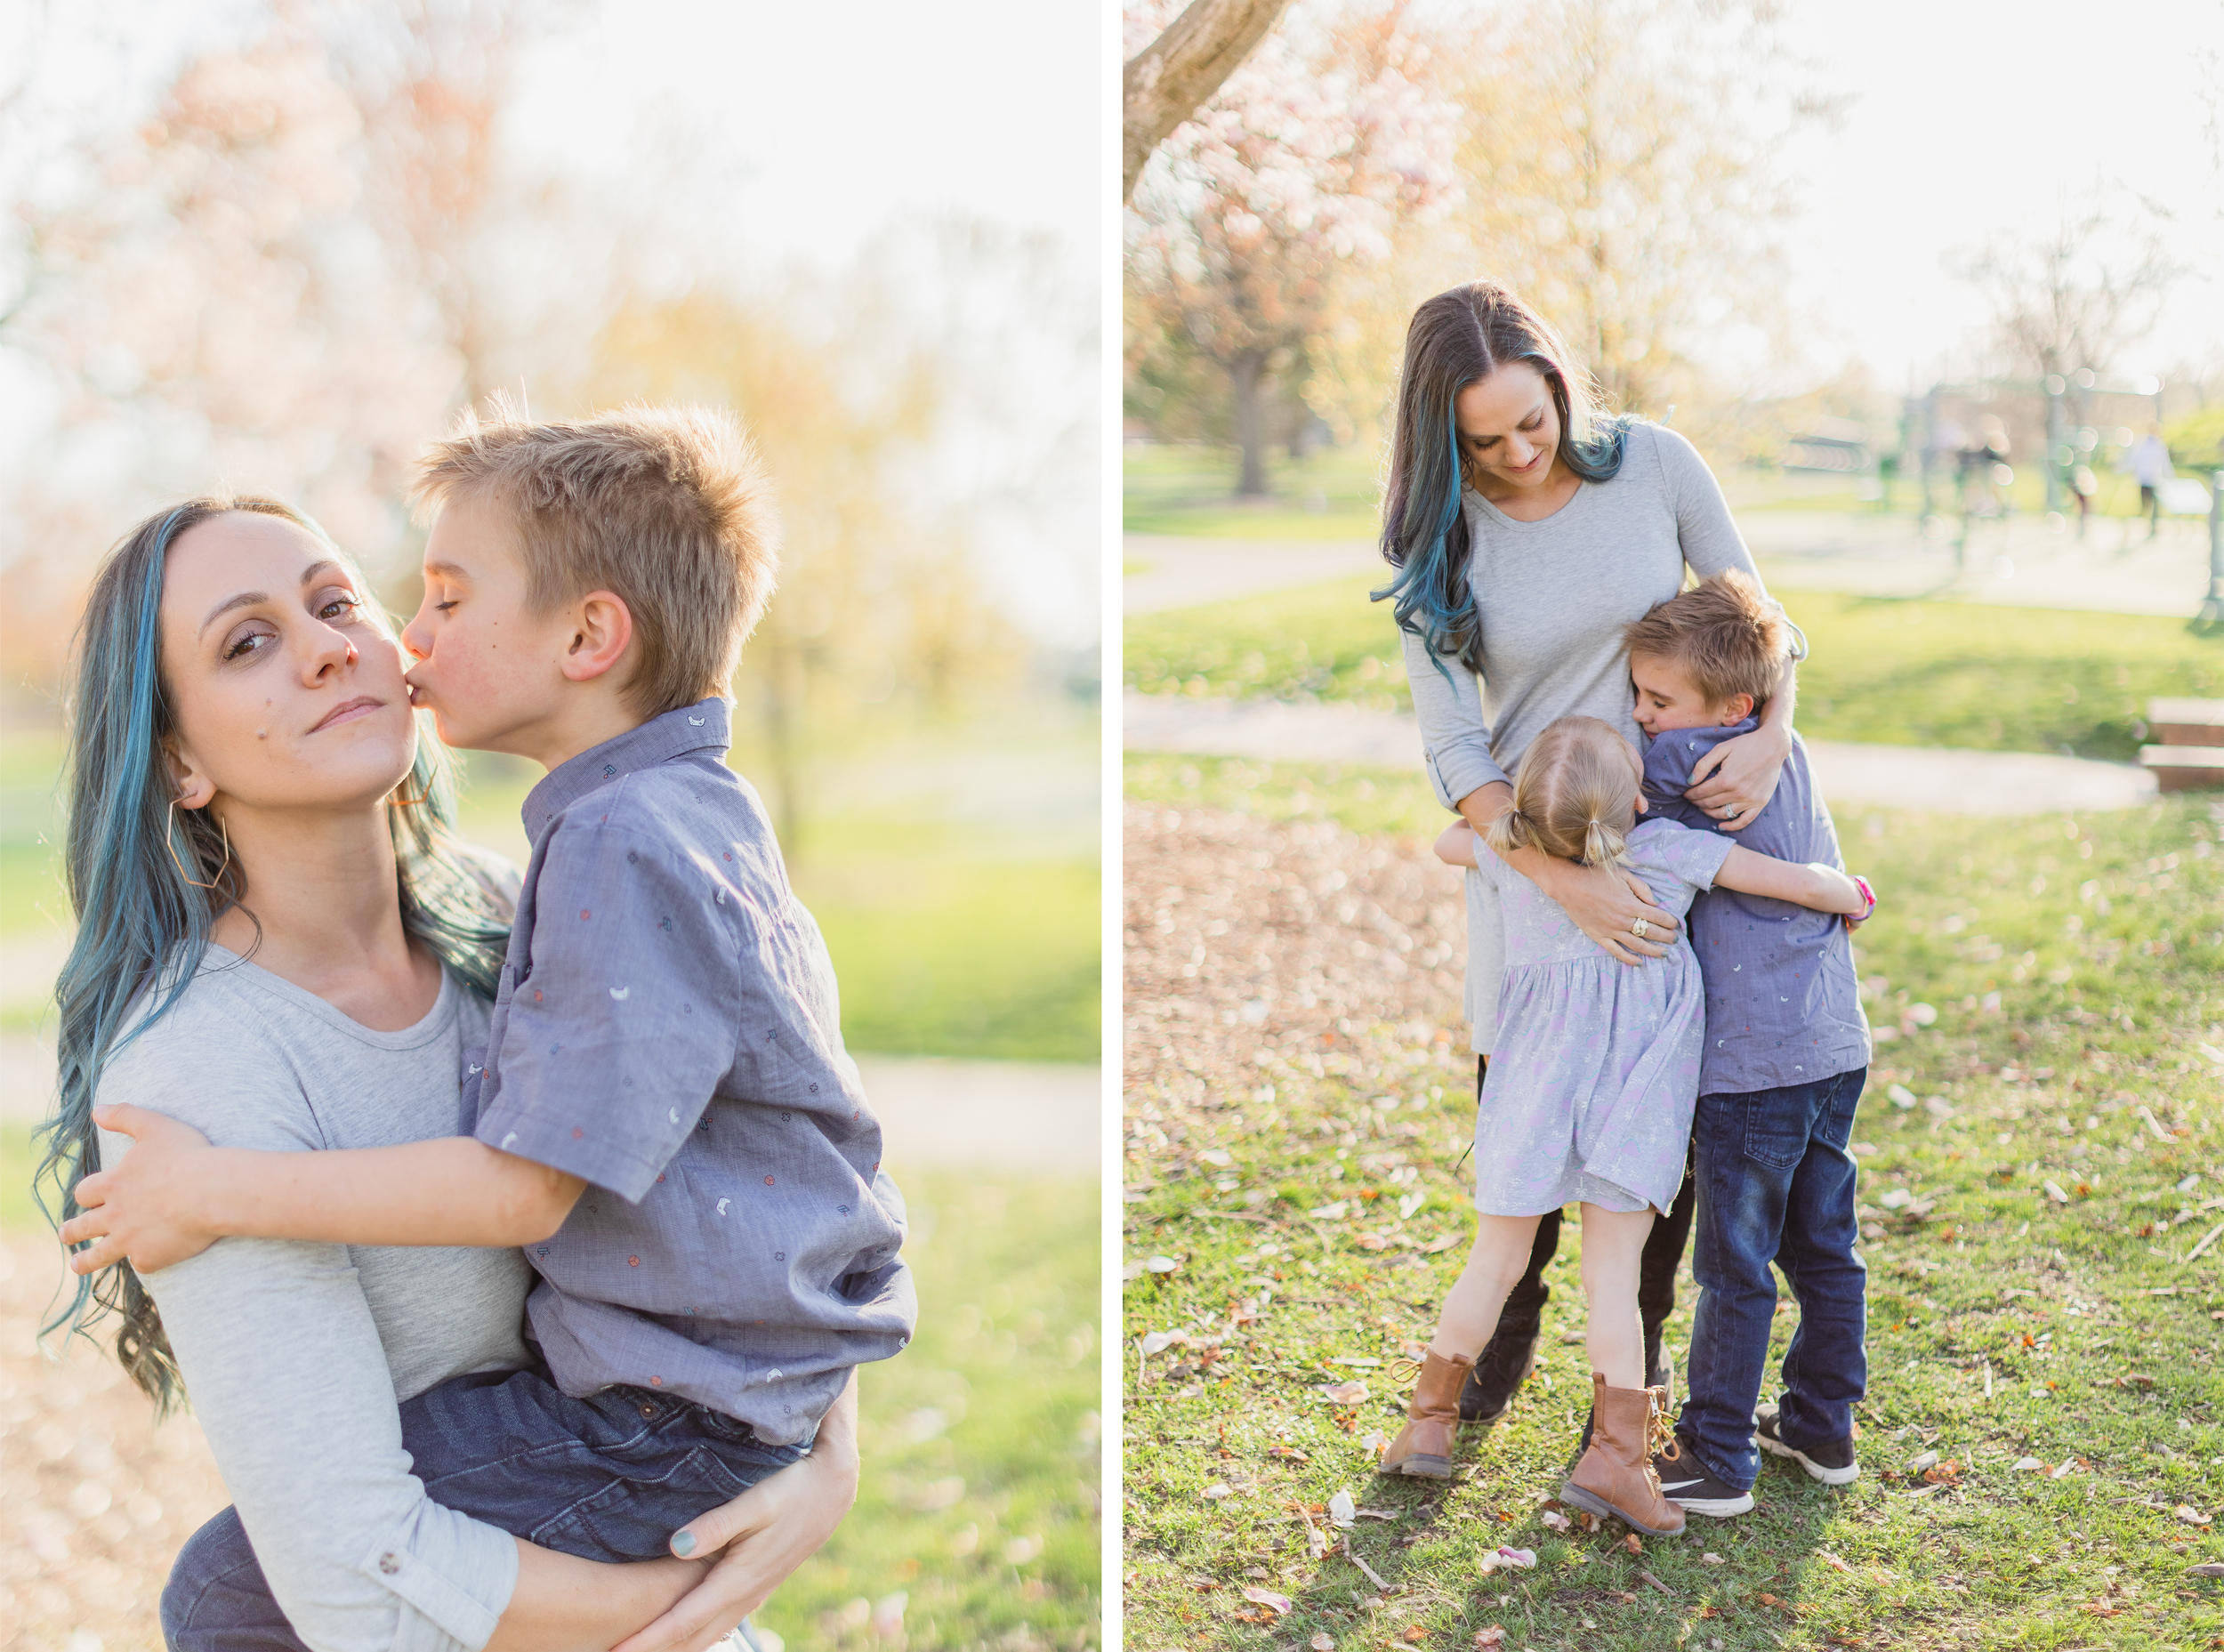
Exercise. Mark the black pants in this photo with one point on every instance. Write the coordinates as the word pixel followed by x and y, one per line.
pixel 1656 1274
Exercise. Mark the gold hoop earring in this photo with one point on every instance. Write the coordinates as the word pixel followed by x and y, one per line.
pixel 170 842
pixel 409 802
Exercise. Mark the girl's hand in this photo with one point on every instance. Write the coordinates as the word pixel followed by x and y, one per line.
pixel 756 1540
pixel 140 1208
pixel 1734 782
pixel 1606 903
pixel 1855 920
pixel 1456 846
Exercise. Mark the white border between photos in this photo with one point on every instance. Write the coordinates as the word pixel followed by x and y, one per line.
pixel 1111 1331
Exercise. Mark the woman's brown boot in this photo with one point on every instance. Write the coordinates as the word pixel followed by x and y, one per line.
pixel 1424 1446
pixel 1616 1476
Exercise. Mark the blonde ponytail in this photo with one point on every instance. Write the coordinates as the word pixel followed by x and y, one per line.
pixel 1575 794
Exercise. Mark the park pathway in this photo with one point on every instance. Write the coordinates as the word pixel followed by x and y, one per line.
pixel 1886 776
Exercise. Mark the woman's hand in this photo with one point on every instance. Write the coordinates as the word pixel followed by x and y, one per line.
pixel 1606 903
pixel 756 1540
pixel 1734 782
pixel 141 1209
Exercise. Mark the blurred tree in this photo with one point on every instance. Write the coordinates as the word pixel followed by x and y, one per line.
pixel 1170 79
pixel 1308 161
pixel 2074 293
pixel 1621 158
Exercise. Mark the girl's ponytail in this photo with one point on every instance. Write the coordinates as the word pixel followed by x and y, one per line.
pixel 1575 794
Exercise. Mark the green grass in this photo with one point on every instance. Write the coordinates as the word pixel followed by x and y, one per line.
pixel 1334 493
pixel 2099 1336
pixel 1370 801
pixel 981 1436
pixel 1190 490
pixel 1889 671
pixel 978 940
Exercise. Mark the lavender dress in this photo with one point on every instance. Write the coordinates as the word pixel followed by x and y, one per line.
pixel 1596 1072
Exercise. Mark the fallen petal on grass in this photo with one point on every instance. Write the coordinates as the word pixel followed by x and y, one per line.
pixel 1279 1604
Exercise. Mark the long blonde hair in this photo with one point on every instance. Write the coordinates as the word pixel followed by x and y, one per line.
pixel 1575 794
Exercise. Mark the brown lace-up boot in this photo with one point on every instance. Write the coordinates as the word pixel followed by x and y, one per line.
pixel 1616 1476
pixel 1424 1446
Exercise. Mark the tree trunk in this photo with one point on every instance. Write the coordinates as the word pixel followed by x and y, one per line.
pixel 1246 373
pixel 1176 74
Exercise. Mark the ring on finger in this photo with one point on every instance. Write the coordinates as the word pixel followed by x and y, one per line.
pixel 1732 812
pixel 1640 928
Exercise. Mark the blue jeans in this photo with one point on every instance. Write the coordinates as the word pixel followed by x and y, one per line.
pixel 1775 1184
pixel 607 1478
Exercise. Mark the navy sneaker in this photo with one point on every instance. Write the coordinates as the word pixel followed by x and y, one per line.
pixel 1691 1486
pixel 1834 1464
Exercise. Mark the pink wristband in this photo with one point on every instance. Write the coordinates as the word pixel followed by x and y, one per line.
pixel 1867 894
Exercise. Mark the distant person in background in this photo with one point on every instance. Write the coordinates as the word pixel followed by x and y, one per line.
pixel 2149 464
pixel 1982 462
pixel 2082 485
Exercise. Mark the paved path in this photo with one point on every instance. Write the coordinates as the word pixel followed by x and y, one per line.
pixel 2018 564
pixel 1948 781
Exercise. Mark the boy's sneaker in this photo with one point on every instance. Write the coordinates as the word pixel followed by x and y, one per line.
pixel 1834 1464
pixel 1691 1486
pixel 1508 1360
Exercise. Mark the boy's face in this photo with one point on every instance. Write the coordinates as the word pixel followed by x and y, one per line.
pixel 487 665
pixel 1667 698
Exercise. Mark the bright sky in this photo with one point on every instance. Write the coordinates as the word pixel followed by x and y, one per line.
pixel 843 117
pixel 1971 117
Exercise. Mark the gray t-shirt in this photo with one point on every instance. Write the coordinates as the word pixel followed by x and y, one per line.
pixel 296 1355
pixel 1553 596
pixel 668 1030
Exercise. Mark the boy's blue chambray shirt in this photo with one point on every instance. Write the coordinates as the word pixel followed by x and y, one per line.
pixel 667 1030
pixel 1783 1006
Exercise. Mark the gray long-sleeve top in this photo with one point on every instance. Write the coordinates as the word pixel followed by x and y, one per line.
pixel 1553 596
pixel 297 1355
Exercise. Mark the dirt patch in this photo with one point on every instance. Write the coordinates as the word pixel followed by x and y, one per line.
pixel 1251 943
pixel 95 1499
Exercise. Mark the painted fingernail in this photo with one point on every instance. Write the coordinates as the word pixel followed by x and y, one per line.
pixel 684 1544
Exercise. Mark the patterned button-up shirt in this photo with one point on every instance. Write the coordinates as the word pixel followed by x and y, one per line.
pixel 667 1030
pixel 1783 1007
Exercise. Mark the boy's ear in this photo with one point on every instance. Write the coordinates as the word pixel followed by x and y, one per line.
pixel 602 627
pixel 1737 709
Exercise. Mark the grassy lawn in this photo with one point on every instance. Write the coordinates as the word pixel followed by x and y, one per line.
pixel 977 1519
pixel 980 1500
pixel 1335 494
pixel 1890 670
pixel 956 937
pixel 2071 971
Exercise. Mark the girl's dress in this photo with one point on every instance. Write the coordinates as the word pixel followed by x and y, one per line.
pixel 1592 1087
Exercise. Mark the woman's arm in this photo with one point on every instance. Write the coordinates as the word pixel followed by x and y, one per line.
pixel 1823 888
pixel 760 1537
pixel 1604 902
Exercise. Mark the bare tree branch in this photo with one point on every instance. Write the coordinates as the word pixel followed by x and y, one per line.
pixel 1177 74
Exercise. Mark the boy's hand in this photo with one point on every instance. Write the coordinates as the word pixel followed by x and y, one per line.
pixel 138 1209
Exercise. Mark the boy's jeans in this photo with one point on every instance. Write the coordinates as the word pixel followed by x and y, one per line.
pixel 1776 1184
pixel 607 1478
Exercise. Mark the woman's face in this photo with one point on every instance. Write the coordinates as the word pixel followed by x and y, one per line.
pixel 287 694
pixel 1509 428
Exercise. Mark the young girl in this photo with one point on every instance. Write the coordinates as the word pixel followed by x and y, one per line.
pixel 1588 1096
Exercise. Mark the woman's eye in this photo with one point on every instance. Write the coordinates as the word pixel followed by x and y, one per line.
pixel 337 604
pixel 247 642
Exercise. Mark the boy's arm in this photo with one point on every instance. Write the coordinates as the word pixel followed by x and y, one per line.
pixel 1823 888
pixel 173 1196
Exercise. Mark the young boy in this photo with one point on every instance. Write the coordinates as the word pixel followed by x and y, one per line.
pixel 1787 1051
pixel 664 1117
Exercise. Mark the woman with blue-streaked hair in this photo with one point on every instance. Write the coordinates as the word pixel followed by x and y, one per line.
pixel 1527 527
pixel 281 942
